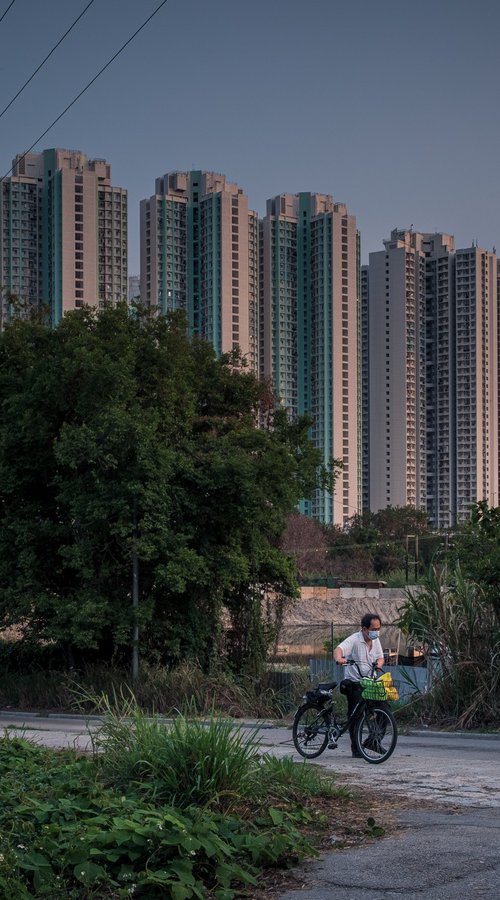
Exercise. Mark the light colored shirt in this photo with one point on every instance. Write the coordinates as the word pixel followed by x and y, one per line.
pixel 355 647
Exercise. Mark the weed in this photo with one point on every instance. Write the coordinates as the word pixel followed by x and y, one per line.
pixel 68 833
pixel 186 762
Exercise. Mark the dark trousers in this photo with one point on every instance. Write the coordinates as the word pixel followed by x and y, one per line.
pixel 352 691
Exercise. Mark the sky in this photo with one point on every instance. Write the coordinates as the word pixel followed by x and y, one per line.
pixel 391 107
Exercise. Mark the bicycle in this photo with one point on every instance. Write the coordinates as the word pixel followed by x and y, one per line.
pixel 316 724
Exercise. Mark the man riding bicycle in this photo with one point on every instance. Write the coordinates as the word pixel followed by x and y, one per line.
pixel 364 649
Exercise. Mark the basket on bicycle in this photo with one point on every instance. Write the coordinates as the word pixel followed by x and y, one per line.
pixel 373 690
pixel 381 689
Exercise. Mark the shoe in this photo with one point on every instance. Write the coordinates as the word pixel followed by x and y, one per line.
pixel 356 754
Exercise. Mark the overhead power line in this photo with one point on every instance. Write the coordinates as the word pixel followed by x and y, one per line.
pixel 87 86
pixel 26 83
pixel 6 11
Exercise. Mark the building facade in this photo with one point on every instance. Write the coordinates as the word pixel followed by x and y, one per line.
pixel 134 288
pixel 199 253
pixel 432 316
pixel 365 391
pixel 476 329
pixel 310 332
pixel 396 303
pixel 63 233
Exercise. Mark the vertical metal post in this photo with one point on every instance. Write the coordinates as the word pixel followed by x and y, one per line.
pixel 135 604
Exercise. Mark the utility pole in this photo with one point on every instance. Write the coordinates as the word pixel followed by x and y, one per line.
pixel 135 604
pixel 407 556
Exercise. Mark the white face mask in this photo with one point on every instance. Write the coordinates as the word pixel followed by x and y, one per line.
pixel 373 635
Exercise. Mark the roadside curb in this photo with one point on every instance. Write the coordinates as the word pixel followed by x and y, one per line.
pixel 421 732
pixel 264 724
pixel 82 717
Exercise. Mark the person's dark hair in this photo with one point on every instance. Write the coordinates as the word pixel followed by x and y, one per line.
pixel 367 619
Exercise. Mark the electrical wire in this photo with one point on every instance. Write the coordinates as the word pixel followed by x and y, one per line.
pixel 6 11
pixel 26 83
pixel 87 86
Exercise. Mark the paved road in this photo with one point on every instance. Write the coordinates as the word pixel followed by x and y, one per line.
pixel 449 851
pixel 461 770
pixel 448 768
pixel 439 854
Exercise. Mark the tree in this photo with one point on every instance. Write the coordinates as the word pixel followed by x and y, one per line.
pixel 476 548
pixel 374 543
pixel 122 439
pixel 304 540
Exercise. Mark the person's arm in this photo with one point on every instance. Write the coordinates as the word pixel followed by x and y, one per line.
pixel 338 656
pixel 380 658
pixel 341 652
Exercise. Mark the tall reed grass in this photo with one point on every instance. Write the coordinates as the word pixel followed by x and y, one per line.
pixel 460 628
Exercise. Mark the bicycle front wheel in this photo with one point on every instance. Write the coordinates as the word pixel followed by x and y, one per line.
pixel 310 730
pixel 376 734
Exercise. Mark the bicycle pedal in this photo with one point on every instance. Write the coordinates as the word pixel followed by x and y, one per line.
pixel 332 745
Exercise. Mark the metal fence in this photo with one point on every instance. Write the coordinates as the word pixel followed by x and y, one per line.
pixel 408 679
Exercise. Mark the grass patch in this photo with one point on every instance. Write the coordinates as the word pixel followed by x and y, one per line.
pixel 187 811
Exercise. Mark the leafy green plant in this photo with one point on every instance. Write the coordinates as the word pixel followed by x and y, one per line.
pixel 67 834
pixel 455 621
pixel 185 688
pixel 373 829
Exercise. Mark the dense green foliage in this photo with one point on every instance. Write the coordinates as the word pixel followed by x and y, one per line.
pixel 121 438
pixel 476 548
pixel 454 619
pixel 79 828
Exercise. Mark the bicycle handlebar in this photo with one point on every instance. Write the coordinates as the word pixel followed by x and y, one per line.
pixel 374 668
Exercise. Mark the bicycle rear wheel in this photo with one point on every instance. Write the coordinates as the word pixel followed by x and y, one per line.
pixel 376 734
pixel 310 730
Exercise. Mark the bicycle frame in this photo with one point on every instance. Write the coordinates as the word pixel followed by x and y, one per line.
pixel 317 727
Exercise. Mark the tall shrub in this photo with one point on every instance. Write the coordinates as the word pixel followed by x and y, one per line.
pixel 453 618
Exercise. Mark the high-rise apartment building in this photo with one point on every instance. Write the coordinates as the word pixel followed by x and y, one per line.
pixel 309 321
pixel 476 330
pixel 396 303
pixel 365 391
pixel 20 243
pixel 433 375
pixel 440 387
pixel 63 239
pixel 134 288
pixel 199 253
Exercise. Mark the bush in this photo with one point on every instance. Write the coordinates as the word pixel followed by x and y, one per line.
pixel 67 832
pixel 185 688
pixel 187 763
pixel 456 622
